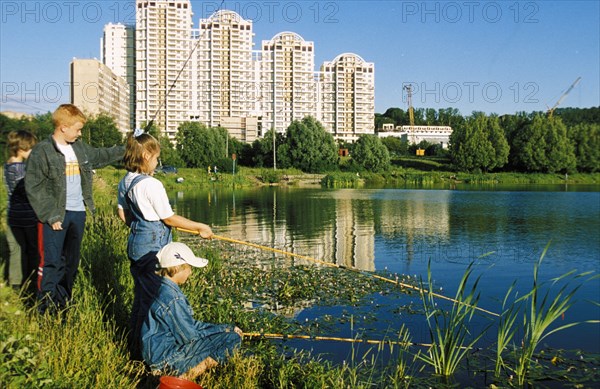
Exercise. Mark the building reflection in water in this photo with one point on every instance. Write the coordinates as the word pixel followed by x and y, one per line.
pixel 345 227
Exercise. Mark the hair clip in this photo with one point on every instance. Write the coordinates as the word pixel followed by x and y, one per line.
pixel 137 132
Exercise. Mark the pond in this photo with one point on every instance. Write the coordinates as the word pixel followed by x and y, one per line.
pixel 502 230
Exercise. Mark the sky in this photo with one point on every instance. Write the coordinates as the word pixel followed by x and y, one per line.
pixel 492 56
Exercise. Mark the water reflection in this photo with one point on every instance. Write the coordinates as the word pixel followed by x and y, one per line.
pixel 504 232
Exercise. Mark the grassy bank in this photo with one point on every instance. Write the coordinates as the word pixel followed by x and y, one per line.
pixel 84 346
pixel 406 172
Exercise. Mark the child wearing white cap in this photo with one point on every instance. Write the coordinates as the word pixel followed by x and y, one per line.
pixel 172 340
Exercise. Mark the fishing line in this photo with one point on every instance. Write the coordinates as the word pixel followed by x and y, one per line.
pixel 329 264
pixel 164 100
pixel 6 97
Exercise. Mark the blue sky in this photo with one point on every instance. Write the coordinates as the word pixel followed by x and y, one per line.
pixel 491 56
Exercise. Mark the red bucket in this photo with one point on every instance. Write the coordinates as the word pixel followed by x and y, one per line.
pixel 168 382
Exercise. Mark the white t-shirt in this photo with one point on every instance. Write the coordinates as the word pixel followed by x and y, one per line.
pixel 73 175
pixel 148 194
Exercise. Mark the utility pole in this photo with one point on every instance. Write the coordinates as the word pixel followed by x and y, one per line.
pixel 274 151
pixel 411 114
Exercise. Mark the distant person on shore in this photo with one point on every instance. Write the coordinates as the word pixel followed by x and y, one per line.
pixel 172 340
pixel 22 222
pixel 144 206
pixel 59 187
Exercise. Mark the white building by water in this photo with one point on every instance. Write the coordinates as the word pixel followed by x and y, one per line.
pixel 214 75
pixel 347 103
pixel 163 41
pixel 96 89
pixel 416 134
pixel 287 85
pixel 117 51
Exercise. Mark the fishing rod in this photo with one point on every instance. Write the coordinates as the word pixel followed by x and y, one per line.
pixel 332 338
pixel 329 264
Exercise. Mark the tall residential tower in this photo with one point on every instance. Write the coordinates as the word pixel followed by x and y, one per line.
pixel 348 97
pixel 224 81
pixel 163 70
pixel 117 50
pixel 287 82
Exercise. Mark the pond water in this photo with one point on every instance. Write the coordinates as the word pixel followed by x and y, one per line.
pixel 502 230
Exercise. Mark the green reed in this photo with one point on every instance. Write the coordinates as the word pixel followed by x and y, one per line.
pixel 539 311
pixel 506 330
pixel 450 336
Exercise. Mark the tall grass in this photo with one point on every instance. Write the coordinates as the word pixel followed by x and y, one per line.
pixel 341 180
pixel 506 330
pixel 403 374
pixel 540 311
pixel 449 332
pixel 77 348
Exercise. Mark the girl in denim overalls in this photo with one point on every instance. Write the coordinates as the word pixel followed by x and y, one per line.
pixel 144 206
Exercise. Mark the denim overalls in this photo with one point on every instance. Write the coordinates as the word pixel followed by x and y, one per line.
pixel 146 238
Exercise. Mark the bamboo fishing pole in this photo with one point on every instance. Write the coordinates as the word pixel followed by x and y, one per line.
pixel 396 282
pixel 331 338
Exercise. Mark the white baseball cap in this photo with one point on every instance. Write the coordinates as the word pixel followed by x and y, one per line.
pixel 177 253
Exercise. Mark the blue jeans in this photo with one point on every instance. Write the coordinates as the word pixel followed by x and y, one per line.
pixel 146 285
pixel 60 261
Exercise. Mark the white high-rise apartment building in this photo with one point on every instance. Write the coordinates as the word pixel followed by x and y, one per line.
pixel 163 72
pixel 225 84
pixel 287 81
pixel 117 51
pixel 96 89
pixel 347 87
pixel 212 75
pixel 113 48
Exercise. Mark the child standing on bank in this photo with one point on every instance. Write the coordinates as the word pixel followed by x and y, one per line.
pixel 144 206
pixel 172 340
pixel 22 222
pixel 59 187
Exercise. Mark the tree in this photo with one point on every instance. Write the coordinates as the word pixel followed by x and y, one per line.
pixel 168 153
pixel 370 154
pixel 262 149
pixel 479 144
pixel 200 146
pixel 498 139
pixel 380 120
pixel 397 115
pixel 574 116
pixel 543 146
pixel 431 117
pixel 101 131
pixel 395 145
pixel 450 117
pixel 586 140
pixel 308 146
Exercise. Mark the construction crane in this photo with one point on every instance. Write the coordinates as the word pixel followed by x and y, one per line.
pixel 411 113
pixel 551 110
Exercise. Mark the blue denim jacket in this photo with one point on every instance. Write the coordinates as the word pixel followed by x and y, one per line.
pixel 173 340
pixel 46 181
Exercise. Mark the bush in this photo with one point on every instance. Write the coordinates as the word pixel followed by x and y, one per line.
pixel 269 176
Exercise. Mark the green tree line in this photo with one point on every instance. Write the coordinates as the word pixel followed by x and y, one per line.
pixel 568 141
